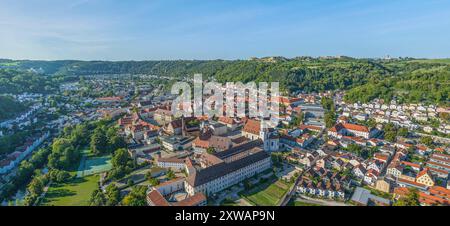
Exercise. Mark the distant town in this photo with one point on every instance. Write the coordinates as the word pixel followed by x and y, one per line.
pixel 114 140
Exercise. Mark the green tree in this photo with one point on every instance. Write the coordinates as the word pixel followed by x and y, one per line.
pixel 99 142
pixel 97 198
pixel 154 182
pixel 390 136
pixel 120 158
pixel 112 195
pixel 403 132
pixel 411 199
pixel 428 141
pixel 136 197
pixel 36 187
pixel 330 119
pixel 170 174
pixel 210 150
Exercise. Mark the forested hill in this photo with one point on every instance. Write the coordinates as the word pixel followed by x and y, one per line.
pixel 9 107
pixel 408 80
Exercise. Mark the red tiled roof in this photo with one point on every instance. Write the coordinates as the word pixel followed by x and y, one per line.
pixel 355 127
pixel 192 200
pixel 169 182
pixel 252 126
pixel 423 172
pixel 173 160
pixel 441 155
pixel 424 198
pixel 313 128
pixel 438 164
pixel 227 120
pixel 381 156
pixel 411 182
pixel 157 199
pixel 411 164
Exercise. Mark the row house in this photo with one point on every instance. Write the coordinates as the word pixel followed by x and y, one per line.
pixel 14 159
pixel 324 190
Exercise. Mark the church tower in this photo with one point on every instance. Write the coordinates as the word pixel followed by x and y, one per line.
pixel 264 135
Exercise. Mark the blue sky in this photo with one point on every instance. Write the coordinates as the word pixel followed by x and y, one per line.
pixel 222 29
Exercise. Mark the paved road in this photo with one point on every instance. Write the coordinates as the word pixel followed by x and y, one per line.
pixel 320 202
pixel 292 190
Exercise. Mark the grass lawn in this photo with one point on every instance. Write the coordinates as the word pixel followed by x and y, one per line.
pixel 227 202
pixel 267 194
pixel 300 203
pixel 73 193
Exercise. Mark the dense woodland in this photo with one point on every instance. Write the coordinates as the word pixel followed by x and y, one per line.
pixel 9 107
pixel 407 80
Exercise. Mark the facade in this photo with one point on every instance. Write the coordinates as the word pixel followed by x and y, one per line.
pixel 341 129
pixel 163 116
pixel 425 178
pixel 14 159
pixel 232 166
pixel 173 163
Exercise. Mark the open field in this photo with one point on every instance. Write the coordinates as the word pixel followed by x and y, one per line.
pixel 267 194
pixel 76 192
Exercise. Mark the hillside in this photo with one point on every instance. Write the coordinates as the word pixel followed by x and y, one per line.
pixel 409 80
pixel 10 108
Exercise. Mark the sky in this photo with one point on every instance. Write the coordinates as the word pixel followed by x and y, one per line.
pixel 222 29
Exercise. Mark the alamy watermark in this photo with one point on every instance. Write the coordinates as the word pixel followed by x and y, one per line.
pixel 211 99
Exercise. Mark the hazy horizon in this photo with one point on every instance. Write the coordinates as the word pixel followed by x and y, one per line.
pixel 94 60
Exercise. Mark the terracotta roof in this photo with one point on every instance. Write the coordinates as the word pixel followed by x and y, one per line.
pixel 438 171
pixel 157 199
pixel 227 120
pixel 309 127
pixel 423 172
pixel 441 191
pixel 438 164
pixel 252 126
pixel 440 150
pixel 171 159
pixel 381 156
pixel 411 164
pixel 411 182
pixel 437 158
pixel 169 182
pixel 355 127
pixel 200 143
pixel 192 200
pixel 424 198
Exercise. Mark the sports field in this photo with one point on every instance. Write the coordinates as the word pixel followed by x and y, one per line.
pixel 267 194
pixel 90 165
pixel 76 192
